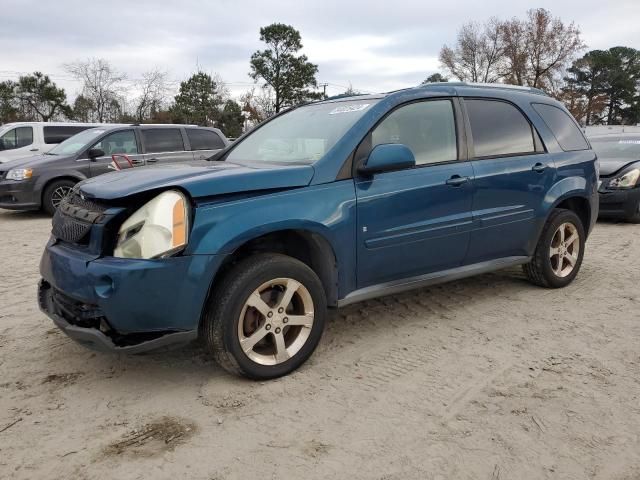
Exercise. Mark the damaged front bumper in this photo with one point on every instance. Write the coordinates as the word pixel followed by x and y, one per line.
pixel 124 305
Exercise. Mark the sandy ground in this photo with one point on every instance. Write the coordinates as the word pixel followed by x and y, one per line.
pixel 486 378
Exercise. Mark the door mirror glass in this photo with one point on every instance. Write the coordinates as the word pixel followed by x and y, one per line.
pixel 388 157
pixel 95 153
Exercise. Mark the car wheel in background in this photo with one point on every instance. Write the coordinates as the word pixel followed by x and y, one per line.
pixel 54 193
pixel 558 255
pixel 265 318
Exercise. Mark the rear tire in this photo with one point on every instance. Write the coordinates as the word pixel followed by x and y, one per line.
pixel 265 317
pixel 54 193
pixel 558 255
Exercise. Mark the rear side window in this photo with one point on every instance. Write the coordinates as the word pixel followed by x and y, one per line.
pixel 60 134
pixel 158 140
pixel 204 139
pixel 498 129
pixel 562 126
pixel 427 128
pixel 17 138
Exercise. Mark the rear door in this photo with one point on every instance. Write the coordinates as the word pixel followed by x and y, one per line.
pixel 417 220
pixel 164 145
pixel 513 173
pixel 204 143
pixel 120 142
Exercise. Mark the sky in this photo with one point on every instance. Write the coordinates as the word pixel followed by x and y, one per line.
pixel 374 46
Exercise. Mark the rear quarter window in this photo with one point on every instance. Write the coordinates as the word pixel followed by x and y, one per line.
pixel 158 140
pixel 563 127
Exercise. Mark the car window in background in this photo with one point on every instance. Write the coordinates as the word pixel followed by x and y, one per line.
pixel 159 140
pixel 204 139
pixel 16 138
pixel 562 126
pixel 303 135
pixel 427 128
pixel 58 134
pixel 498 128
pixel 617 147
pixel 77 143
pixel 123 141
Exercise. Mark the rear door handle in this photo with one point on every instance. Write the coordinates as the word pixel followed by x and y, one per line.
pixel 152 160
pixel 539 167
pixel 457 180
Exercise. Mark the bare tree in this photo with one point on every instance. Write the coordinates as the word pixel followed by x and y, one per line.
pixel 102 85
pixel 539 48
pixel 477 54
pixel 153 94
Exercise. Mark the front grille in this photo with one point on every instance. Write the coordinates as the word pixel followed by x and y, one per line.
pixel 74 218
pixel 76 312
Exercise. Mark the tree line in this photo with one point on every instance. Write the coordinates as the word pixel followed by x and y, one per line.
pixel 283 78
pixel 541 51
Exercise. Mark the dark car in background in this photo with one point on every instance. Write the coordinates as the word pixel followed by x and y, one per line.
pixel 619 185
pixel 40 182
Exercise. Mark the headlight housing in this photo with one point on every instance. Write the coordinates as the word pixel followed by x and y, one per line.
pixel 158 229
pixel 19 174
pixel 627 180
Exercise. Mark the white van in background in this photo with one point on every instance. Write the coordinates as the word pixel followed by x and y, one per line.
pixel 25 139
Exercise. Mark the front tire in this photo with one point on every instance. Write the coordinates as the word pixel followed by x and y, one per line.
pixel 54 193
pixel 265 318
pixel 558 255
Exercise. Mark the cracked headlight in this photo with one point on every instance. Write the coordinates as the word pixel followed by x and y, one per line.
pixel 158 229
pixel 627 180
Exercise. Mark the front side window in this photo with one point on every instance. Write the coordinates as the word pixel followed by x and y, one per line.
pixel 77 143
pixel 119 142
pixel 204 139
pixel 498 129
pixel 562 126
pixel 58 134
pixel 159 140
pixel 301 136
pixel 427 128
pixel 16 138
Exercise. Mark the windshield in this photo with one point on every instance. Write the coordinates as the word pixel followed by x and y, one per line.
pixel 303 135
pixel 77 143
pixel 619 148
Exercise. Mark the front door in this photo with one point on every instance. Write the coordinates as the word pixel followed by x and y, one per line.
pixel 513 173
pixel 121 142
pixel 415 221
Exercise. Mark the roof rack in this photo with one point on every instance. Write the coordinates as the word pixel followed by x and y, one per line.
pixel 503 86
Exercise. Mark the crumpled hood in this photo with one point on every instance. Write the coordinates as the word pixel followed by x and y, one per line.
pixel 200 179
pixel 609 166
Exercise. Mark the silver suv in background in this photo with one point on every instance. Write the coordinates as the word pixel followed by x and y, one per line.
pixel 42 181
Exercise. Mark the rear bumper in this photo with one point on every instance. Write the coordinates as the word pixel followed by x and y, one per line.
pixel 19 195
pixel 619 203
pixel 114 304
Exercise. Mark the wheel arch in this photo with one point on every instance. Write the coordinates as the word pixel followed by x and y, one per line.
pixel 307 245
pixel 49 181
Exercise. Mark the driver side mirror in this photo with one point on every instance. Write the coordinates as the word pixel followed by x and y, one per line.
pixel 388 157
pixel 94 153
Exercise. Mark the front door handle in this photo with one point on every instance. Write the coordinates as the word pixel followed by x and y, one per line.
pixel 137 162
pixel 457 180
pixel 33 150
pixel 539 167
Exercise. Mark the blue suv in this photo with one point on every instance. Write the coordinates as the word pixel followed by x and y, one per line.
pixel 322 206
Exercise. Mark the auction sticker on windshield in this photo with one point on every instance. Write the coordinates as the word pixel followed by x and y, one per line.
pixel 349 108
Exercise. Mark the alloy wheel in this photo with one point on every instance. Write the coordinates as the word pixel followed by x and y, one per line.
pixel 276 321
pixel 564 250
pixel 58 194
